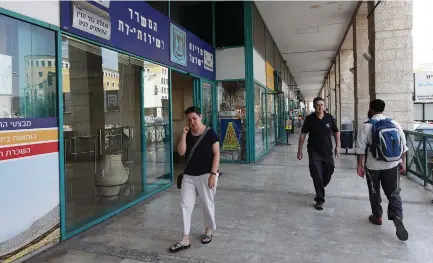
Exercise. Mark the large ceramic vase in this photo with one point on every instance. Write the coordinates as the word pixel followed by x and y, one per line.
pixel 113 175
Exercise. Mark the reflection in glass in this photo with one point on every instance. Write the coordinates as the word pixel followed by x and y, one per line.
pixel 156 106
pixel 231 105
pixel 259 120
pixel 27 83
pixel 271 118
pixel 103 131
pixel 207 104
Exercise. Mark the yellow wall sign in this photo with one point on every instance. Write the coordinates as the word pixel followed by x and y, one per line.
pixel 231 142
pixel 269 76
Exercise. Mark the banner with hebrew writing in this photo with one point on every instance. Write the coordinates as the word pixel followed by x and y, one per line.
pixel 29 185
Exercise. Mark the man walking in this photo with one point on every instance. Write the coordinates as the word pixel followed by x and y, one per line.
pixel 320 126
pixel 382 141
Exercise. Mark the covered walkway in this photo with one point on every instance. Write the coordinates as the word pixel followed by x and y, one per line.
pixel 265 213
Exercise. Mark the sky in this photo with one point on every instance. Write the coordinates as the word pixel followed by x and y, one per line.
pixel 422 33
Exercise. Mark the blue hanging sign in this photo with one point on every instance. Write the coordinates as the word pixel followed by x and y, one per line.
pixel 136 27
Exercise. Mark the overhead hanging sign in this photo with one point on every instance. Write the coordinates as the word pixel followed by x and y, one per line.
pixel 424 87
pixel 137 28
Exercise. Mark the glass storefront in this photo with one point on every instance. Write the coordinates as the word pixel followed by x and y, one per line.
pixel 28 70
pixel 116 130
pixel 259 120
pixel 268 118
pixel 271 119
pixel 207 107
pixel 231 120
pixel 29 158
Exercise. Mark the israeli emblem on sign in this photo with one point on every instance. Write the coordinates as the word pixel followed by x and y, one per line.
pixel 178 45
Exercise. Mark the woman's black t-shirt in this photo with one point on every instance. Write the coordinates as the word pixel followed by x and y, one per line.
pixel 201 161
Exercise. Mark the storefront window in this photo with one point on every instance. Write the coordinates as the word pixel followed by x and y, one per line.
pixel 157 126
pixel 27 88
pixel 271 119
pixel 231 120
pixel 116 143
pixel 259 120
pixel 29 159
pixel 207 103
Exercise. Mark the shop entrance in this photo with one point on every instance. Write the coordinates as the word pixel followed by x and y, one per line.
pixel 182 87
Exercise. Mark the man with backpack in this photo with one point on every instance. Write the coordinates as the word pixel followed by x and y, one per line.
pixel 383 143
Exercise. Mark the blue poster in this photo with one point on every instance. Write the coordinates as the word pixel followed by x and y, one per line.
pixel 231 130
pixel 137 28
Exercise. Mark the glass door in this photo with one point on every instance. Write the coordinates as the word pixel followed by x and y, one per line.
pixel 206 103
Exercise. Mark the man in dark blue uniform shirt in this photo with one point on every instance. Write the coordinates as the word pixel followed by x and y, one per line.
pixel 320 126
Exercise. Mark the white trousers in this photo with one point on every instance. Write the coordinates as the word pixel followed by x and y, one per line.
pixel 193 186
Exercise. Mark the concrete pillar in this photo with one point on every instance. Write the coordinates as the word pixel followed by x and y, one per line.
pixel 337 91
pixel 391 66
pixel 361 75
pixel 332 92
pixel 347 87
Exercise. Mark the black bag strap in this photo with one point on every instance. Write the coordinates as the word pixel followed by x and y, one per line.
pixel 195 146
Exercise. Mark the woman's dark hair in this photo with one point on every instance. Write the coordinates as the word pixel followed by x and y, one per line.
pixel 193 109
pixel 377 105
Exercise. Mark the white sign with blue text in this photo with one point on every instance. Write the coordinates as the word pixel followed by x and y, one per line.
pixel 424 87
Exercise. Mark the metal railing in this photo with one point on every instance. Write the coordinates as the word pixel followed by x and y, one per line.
pixel 156 133
pixel 419 158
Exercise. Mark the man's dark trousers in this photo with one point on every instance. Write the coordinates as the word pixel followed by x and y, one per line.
pixel 390 180
pixel 321 170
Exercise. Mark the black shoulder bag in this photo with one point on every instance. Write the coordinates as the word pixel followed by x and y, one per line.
pixel 180 176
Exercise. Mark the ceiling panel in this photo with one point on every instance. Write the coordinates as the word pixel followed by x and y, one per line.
pixel 308 33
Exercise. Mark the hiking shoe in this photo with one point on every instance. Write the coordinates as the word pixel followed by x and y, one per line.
pixel 375 220
pixel 401 232
pixel 318 205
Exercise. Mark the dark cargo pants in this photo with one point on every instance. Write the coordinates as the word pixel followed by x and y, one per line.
pixel 321 170
pixel 390 181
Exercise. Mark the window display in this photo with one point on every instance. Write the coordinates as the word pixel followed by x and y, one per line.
pixel 231 120
pixel 259 120
pixel 271 118
pixel 116 131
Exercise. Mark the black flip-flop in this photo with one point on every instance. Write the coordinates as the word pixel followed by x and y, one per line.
pixel 205 239
pixel 178 247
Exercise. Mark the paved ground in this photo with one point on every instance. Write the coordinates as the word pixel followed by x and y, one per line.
pixel 264 214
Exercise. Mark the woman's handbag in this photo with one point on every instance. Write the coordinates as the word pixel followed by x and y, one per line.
pixel 180 176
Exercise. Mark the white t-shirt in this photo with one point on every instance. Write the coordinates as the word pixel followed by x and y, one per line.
pixel 364 139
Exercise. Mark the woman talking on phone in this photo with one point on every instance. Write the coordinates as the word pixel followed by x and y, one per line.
pixel 200 146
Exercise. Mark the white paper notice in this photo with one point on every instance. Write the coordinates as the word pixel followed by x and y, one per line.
pixel 91 19
pixel 208 61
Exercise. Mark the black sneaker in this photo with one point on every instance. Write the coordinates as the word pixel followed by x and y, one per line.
pixel 401 231
pixel 375 220
pixel 318 205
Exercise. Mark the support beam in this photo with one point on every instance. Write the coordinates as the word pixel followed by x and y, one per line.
pixel 391 66
pixel 361 74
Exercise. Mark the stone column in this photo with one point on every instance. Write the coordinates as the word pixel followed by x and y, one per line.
pixel 337 91
pixel 391 66
pixel 332 92
pixel 347 86
pixel 361 75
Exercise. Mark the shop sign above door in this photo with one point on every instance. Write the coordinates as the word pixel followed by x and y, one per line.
pixel 137 28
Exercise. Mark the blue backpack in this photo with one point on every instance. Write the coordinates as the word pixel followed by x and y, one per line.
pixel 386 144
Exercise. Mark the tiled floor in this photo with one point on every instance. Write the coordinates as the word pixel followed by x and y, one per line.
pixel 264 214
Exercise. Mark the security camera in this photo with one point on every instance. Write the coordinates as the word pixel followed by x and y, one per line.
pixel 367 56
pixel 352 70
